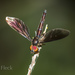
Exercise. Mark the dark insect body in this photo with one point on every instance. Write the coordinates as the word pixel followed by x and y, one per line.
pixel 40 38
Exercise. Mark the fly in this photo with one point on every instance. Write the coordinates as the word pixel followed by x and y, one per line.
pixel 40 38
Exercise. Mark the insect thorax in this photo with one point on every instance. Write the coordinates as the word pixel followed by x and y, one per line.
pixel 35 41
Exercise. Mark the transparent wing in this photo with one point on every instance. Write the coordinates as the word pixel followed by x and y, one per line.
pixel 19 26
pixel 55 34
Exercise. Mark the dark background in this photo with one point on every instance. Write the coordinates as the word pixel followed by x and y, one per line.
pixel 57 57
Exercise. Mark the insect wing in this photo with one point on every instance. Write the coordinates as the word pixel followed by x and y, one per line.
pixel 19 26
pixel 55 34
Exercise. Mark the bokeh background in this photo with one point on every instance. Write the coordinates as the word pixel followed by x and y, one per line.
pixel 57 57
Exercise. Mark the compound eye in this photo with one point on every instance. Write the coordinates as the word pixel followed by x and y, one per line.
pixel 31 47
pixel 34 48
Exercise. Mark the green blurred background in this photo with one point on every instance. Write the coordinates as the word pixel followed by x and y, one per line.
pixel 57 57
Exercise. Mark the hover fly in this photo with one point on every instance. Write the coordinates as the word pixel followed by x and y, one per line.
pixel 40 37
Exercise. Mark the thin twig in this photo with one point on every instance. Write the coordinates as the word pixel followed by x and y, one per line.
pixel 33 62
